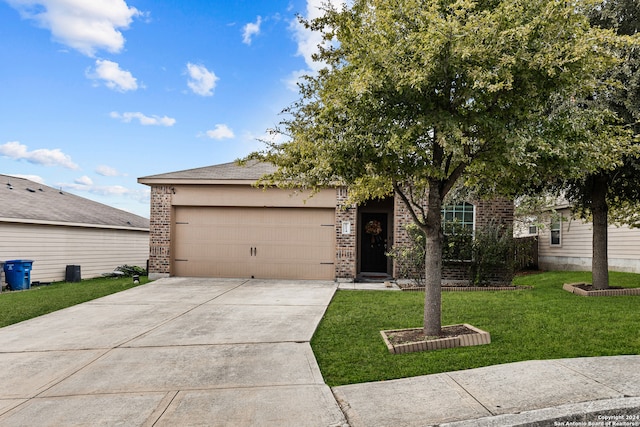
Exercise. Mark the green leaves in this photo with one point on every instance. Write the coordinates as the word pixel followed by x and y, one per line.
pixel 434 90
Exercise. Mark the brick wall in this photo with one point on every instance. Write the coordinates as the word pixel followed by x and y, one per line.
pixel 499 210
pixel 160 231
pixel 401 239
pixel 345 243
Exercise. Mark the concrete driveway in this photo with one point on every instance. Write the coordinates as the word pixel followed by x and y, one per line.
pixel 216 352
pixel 178 351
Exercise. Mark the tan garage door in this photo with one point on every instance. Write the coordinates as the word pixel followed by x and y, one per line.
pixel 267 243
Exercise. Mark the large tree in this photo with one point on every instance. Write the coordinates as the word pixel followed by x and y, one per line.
pixel 418 94
pixel 602 184
pixel 613 191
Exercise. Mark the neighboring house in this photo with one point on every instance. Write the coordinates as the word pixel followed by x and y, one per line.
pixel 55 229
pixel 566 244
pixel 212 222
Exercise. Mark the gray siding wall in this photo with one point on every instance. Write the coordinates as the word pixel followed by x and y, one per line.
pixel 53 247
pixel 574 253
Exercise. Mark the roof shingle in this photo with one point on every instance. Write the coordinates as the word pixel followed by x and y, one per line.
pixel 226 171
pixel 23 199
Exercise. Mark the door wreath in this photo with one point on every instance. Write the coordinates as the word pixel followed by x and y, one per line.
pixel 373 227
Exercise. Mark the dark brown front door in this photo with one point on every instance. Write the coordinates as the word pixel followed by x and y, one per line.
pixel 373 243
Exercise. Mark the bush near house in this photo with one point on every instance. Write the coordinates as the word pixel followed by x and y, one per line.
pixel 485 257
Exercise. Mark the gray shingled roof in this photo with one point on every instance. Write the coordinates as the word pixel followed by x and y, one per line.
pixel 27 200
pixel 226 171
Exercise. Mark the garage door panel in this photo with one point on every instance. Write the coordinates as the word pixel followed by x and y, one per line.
pixel 208 252
pixel 291 243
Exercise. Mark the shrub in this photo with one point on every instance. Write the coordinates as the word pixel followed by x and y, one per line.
pixel 126 271
pixel 410 259
pixel 491 254
pixel 458 243
pixel 130 270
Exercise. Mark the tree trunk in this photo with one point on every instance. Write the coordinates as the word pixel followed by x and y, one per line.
pixel 433 263
pixel 600 211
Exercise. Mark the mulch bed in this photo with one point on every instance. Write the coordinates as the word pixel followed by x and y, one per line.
pixel 416 335
pixel 587 287
pixel 587 290
pixel 413 288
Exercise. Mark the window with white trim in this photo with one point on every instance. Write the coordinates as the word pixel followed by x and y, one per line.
pixel 556 232
pixel 455 216
pixel 458 223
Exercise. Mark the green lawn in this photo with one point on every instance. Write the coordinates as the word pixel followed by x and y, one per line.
pixel 22 305
pixel 542 323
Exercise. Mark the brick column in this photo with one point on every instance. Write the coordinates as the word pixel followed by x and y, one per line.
pixel 160 232
pixel 345 243
pixel 401 218
pixel 499 209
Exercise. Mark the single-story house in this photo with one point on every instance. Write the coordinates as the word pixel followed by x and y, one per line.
pixel 55 229
pixel 566 244
pixel 213 222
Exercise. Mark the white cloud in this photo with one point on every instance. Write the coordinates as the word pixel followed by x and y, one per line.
pixel 292 81
pixel 220 132
pixel 308 40
pixel 105 190
pixel 270 137
pixel 110 190
pixel 250 30
pixel 107 171
pixel 84 25
pixel 201 81
pixel 84 180
pixel 113 76
pixel 34 178
pixel 42 156
pixel 143 119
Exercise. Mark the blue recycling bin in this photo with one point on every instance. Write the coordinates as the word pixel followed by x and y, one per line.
pixel 18 274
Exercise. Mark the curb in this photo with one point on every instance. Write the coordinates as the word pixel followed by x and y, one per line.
pixel 623 411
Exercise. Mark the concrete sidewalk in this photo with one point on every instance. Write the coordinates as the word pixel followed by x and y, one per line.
pixel 536 392
pixel 216 352
pixel 175 352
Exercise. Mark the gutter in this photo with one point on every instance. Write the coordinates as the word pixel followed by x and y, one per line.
pixel 70 224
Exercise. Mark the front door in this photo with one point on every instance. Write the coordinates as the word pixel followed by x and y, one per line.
pixel 373 243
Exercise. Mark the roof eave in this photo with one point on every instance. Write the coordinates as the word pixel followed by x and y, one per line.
pixel 71 224
pixel 191 181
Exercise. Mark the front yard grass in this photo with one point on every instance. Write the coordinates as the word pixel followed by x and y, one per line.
pixel 22 305
pixel 545 322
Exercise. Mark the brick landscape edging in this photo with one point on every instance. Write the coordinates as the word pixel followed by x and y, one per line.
pixel 471 288
pixel 574 288
pixel 480 337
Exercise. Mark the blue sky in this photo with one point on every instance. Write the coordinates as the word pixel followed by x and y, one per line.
pixel 96 93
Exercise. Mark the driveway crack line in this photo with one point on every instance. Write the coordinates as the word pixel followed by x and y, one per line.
pixel 124 344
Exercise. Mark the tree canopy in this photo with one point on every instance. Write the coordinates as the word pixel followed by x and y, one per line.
pixel 623 181
pixel 417 95
pixel 605 190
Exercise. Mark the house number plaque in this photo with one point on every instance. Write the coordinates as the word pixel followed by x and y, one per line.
pixel 346 227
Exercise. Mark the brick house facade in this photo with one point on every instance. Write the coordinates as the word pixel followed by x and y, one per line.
pixel 499 210
pixel 160 235
pixel 350 243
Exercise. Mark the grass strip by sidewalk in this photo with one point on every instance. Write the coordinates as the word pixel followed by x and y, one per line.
pixel 22 305
pixel 545 322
